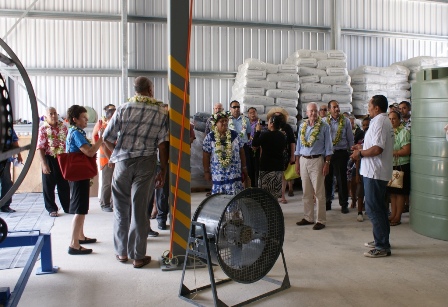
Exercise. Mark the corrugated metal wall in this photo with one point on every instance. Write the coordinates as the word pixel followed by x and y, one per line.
pixel 219 48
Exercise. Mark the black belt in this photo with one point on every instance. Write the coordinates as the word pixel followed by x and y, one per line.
pixel 312 157
pixel 339 150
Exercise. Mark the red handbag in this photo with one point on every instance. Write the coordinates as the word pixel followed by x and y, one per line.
pixel 76 166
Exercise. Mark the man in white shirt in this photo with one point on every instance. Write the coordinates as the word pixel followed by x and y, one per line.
pixel 376 166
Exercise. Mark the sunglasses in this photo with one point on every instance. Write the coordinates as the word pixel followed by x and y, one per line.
pixel 235 107
pixel 324 110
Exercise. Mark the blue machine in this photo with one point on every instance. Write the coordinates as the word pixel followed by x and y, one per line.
pixel 42 246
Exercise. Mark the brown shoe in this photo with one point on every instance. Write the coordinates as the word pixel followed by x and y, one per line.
pixel 304 222
pixel 318 226
pixel 139 263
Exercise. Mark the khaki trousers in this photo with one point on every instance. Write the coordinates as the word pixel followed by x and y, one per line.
pixel 313 183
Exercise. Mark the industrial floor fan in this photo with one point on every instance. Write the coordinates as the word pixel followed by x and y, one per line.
pixel 243 234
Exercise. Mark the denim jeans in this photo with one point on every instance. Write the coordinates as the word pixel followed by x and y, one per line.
pixel 376 209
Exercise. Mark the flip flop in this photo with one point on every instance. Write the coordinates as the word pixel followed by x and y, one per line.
pixel 121 259
pixel 395 223
pixel 53 214
pixel 139 263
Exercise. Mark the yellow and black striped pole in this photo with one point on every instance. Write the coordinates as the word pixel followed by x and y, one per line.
pixel 179 25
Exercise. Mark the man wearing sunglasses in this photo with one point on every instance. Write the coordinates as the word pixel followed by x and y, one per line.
pixel 241 125
pixel 323 111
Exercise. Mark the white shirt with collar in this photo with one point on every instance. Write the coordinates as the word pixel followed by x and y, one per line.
pixel 381 134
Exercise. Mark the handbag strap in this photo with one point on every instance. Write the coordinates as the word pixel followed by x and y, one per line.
pixel 396 159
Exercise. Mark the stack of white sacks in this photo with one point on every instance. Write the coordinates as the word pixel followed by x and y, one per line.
pixel 368 81
pixel 422 62
pixel 323 77
pixel 264 86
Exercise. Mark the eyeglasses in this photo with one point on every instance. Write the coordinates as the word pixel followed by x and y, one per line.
pixel 235 107
pixel 324 110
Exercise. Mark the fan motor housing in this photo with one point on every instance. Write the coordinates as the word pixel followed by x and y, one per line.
pixel 245 232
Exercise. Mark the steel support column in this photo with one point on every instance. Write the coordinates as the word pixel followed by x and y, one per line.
pixel 124 50
pixel 336 26
pixel 179 165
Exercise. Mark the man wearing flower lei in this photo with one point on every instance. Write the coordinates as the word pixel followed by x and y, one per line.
pixel 223 157
pixel 313 154
pixel 241 124
pixel 134 134
pixel 107 168
pixel 50 143
pixel 342 136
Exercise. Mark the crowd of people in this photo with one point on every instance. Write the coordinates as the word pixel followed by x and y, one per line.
pixel 329 150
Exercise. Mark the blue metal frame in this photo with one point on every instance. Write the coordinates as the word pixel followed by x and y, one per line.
pixel 42 245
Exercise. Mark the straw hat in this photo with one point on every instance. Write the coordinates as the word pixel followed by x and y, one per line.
pixel 277 110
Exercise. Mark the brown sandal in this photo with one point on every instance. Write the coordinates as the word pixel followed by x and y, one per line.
pixel 125 259
pixel 139 263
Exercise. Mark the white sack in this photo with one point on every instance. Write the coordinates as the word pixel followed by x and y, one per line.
pixel 357 79
pixel 316 88
pixel 257 100
pixel 309 71
pixel 364 69
pixel 309 79
pixel 292 77
pixel 341 98
pixel 336 54
pixel 310 97
pixel 286 102
pixel 335 80
pixel 336 71
pixel 306 62
pixel 288 85
pixel 279 93
pixel 366 87
pixel 324 64
pixel 342 89
pixel 287 68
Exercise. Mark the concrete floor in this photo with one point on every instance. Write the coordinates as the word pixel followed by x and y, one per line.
pixel 326 268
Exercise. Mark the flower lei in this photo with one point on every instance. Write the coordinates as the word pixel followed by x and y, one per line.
pixel 145 99
pixel 80 131
pixel 55 149
pixel 224 156
pixel 314 133
pixel 341 122
pixel 244 126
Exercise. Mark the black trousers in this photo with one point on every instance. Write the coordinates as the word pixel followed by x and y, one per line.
pixel 50 181
pixel 338 169
pixel 6 182
pixel 253 164
pixel 162 200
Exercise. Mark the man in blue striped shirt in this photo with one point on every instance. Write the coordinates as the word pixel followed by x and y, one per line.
pixel 313 155
pixel 137 129
pixel 342 138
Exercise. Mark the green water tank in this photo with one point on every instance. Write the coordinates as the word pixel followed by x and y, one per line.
pixel 429 158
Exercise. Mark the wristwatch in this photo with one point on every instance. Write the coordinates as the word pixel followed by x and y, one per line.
pixel 360 154
pixel 327 161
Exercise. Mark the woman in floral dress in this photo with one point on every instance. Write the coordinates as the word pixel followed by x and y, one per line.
pixel 223 157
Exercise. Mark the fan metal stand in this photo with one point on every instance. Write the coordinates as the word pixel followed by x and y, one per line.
pixel 198 246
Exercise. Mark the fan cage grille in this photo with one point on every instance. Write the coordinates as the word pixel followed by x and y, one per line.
pixel 250 235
